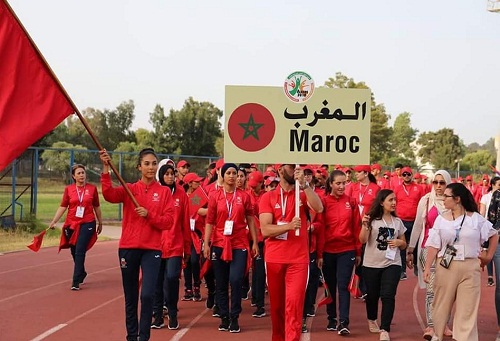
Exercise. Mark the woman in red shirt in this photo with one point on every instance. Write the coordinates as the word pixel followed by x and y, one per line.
pixel 79 232
pixel 176 246
pixel 339 248
pixel 139 249
pixel 229 211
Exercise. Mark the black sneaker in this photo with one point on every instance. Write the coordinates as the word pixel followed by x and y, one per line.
pixel 332 325
pixel 343 328
pixel 224 324
pixel 158 323
pixel 253 304
pixel 210 301
pixel 234 326
pixel 215 311
pixel 311 313
pixel 188 295
pixel 173 324
pixel 196 295
pixel 75 286
pixel 244 294
pixel 304 326
pixel 490 282
pixel 403 276
pixel 82 277
pixel 260 312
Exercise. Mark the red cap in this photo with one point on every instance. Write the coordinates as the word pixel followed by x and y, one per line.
pixel 277 166
pixel 338 167
pixel 417 176
pixel 406 170
pixel 271 179
pixel 486 177
pixel 323 172
pixel 347 169
pixel 255 178
pixel 387 173
pixel 460 179
pixel 190 177
pixel 468 178
pixel 377 166
pixel 362 168
pixel 268 174
pixel 424 177
pixel 308 167
pixel 183 163
pixel 253 165
pixel 219 164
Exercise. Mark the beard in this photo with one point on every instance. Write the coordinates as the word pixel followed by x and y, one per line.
pixel 288 178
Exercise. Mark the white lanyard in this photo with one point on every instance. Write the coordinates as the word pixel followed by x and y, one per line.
pixel 283 204
pixel 229 206
pixel 387 225
pixel 404 189
pixel 361 196
pixel 80 197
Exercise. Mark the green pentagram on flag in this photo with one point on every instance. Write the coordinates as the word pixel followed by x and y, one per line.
pixel 251 128
pixel 195 200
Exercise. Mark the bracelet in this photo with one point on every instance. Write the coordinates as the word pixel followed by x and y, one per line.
pixel 306 185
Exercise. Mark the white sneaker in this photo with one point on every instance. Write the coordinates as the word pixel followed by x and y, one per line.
pixel 384 336
pixel 373 326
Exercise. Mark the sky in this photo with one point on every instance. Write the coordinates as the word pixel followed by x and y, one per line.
pixel 438 60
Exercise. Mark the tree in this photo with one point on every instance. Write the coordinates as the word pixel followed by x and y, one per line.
pixel 59 160
pixel 193 130
pixel 126 162
pixel 380 132
pixel 441 148
pixel 478 161
pixel 403 136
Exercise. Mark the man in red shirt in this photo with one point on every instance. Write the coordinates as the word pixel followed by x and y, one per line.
pixel 471 186
pixel 286 254
pixel 381 181
pixel 397 179
pixel 408 195
pixel 182 170
pixel 482 188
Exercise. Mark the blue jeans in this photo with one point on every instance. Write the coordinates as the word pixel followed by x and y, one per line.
pixel 229 273
pixel 337 269
pixel 131 262
pixel 78 251
pixel 496 261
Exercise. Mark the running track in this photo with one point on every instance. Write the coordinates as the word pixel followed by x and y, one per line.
pixel 37 304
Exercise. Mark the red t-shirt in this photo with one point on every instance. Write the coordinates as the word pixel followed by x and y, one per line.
pixel 74 197
pixel 383 183
pixel 219 204
pixel 407 198
pixel 364 196
pixel 294 249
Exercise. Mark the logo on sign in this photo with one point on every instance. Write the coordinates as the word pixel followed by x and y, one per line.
pixel 298 87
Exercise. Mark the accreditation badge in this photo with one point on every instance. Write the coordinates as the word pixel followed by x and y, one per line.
pixel 460 251
pixel 191 224
pixel 390 253
pixel 79 211
pixel 228 227
pixel 283 236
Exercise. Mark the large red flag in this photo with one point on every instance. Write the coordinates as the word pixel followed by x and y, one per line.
pixel 36 244
pixel 197 199
pixel 32 102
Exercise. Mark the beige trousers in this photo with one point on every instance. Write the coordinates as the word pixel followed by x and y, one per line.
pixel 460 284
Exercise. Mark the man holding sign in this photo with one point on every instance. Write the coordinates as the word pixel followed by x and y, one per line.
pixel 287 257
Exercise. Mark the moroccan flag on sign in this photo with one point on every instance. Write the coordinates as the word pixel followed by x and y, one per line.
pixel 197 199
pixel 32 102
pixel 36 244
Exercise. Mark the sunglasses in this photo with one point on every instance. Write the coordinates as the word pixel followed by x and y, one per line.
pixel 442 183
pixel 406 174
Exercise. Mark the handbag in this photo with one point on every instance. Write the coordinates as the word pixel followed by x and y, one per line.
pixel 353 286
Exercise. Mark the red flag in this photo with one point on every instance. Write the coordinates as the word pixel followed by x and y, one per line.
pixel 32 102
pixel 205 267
pixel 328 297
pixel 197 199
pixel 36 244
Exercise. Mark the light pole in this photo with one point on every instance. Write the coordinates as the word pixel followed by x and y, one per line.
pixel 458 167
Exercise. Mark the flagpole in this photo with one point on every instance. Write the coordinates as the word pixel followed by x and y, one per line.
pixel 297 201
pixel 77 111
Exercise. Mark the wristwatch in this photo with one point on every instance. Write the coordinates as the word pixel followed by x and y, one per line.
pixel 306 185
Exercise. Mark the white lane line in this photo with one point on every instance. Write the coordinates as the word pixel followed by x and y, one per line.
pixel 183 331
pixel 415 307
pixel 49 332
pixel 62 325
pixel 51 263
pixel 309 320
pixel 49 286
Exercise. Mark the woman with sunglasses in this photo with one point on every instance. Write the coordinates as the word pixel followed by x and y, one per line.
pixel 429 208
pixel 79 232
pixel 454 243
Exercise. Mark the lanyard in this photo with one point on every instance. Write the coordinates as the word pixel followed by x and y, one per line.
pixel 283 204
pixel 404 189
pixel 229 206
pixel 457 231
pixel 361 196
pixel 80 197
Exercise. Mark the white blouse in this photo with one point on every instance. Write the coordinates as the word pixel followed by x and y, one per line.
pixel 475 231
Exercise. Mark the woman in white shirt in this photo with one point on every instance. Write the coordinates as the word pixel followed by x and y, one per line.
pixel 456 239
pixel 384 235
